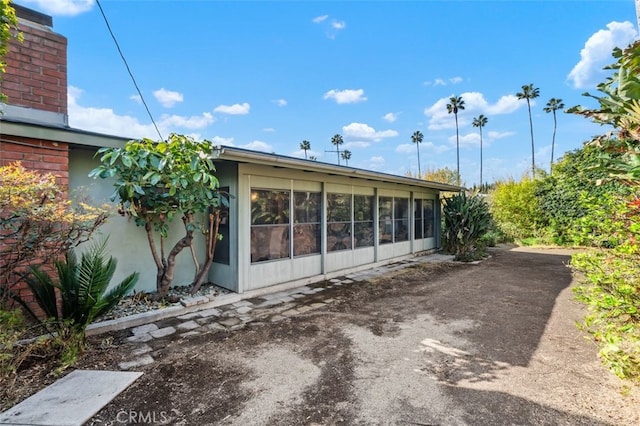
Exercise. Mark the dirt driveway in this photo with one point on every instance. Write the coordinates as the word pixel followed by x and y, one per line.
pixel 446 344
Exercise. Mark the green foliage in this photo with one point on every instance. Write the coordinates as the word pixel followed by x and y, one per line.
pixel 466 221
pixel 83 289
pixel 612 293
pixel 157 181
pixel 573 207
pixel 516 209
pixel 37 221
pixel 442 175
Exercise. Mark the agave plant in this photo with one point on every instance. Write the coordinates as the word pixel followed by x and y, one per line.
pixel 466 220
pixel 82 287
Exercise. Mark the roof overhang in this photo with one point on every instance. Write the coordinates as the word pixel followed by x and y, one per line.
pixel 246 156
pixel 64 134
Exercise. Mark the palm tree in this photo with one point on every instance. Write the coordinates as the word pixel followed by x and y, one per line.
pixel 313 158
pixel 529 92
pixel 337 141
pixel 305 145
pixel 346 155
pixel 480 121
pixel 552 106
pixel 456 103
pixel 417 139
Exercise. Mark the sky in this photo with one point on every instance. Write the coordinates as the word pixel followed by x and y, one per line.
pixel 266 75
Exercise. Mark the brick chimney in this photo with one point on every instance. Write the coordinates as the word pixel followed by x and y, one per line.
pixel 35 80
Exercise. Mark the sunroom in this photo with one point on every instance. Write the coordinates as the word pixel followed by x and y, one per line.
pixel 293 221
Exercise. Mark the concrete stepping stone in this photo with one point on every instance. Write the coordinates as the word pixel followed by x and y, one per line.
pixel 189 325
pixel 143 329
pixel 70 401
pixel 213 312
pixel 230 322
pixel 162 332
pixel 138 362
pixel 140 338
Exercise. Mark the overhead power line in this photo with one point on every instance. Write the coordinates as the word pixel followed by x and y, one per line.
pixel 128 69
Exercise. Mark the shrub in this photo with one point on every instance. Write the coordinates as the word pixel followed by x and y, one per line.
pixel 37 223
pixel 515 208
pixel 83 291
pixel 466 221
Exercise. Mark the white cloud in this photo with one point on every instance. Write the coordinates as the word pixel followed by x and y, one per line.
pixel 406 148
pixel 390 117
pixel 193 122
pixel 219 140
pixel 493 135
pixel 474 102
pixel 360 132
pixel 235 109
pixel 268 129
pixel 61 7
pixel 136 98
pixel 597 53
pixel 443 82
pixel 338 25
pixel 348 96
pixel 258 146
pixel 105 120
pixel 168 98
pixel 332 27
pixel 280 102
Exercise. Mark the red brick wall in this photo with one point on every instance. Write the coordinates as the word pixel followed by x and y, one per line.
pixel 44 156
pixel 36 154
pixel 36 73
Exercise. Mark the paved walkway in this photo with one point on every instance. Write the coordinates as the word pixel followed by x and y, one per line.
pixel 271 307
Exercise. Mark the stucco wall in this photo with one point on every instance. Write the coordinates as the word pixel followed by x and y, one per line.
pixel 128 242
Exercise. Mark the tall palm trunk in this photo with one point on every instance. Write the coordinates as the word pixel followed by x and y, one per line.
pixel 457 150
pixel 533 154
pixel 419 172
pixel 481 157
pixel 553 138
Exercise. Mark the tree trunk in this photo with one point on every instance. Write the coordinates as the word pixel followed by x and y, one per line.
pixel 212 239
pixel 165 275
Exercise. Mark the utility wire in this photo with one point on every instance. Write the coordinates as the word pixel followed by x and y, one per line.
pixel 128 69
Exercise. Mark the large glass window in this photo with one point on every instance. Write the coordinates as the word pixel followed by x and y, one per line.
pixel 385 220
pixel 401 219
pixel 338 222
pixel 428 217
pixel 363 220
pixel 269 224
pixel 306 225
pixel 417 217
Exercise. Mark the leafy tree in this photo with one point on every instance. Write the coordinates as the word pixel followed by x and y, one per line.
pixel 442 175
pixel 8 30
pixel 529 92
pixel 417 139
pixel 346 156
pixel 156 181
pixel 305 145
pixel 336 140
pixel 456 103
pixel 37 223
pixel 552 106
pixel 479 122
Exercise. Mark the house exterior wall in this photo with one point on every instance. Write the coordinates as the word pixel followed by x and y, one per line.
pixel 256 275
pixel 127 243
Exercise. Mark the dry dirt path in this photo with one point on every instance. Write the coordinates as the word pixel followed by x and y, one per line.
pixel 448 344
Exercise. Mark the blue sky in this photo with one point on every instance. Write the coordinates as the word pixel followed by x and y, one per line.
pixel 266 75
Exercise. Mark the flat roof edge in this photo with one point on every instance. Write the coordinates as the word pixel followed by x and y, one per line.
pixel 223 152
